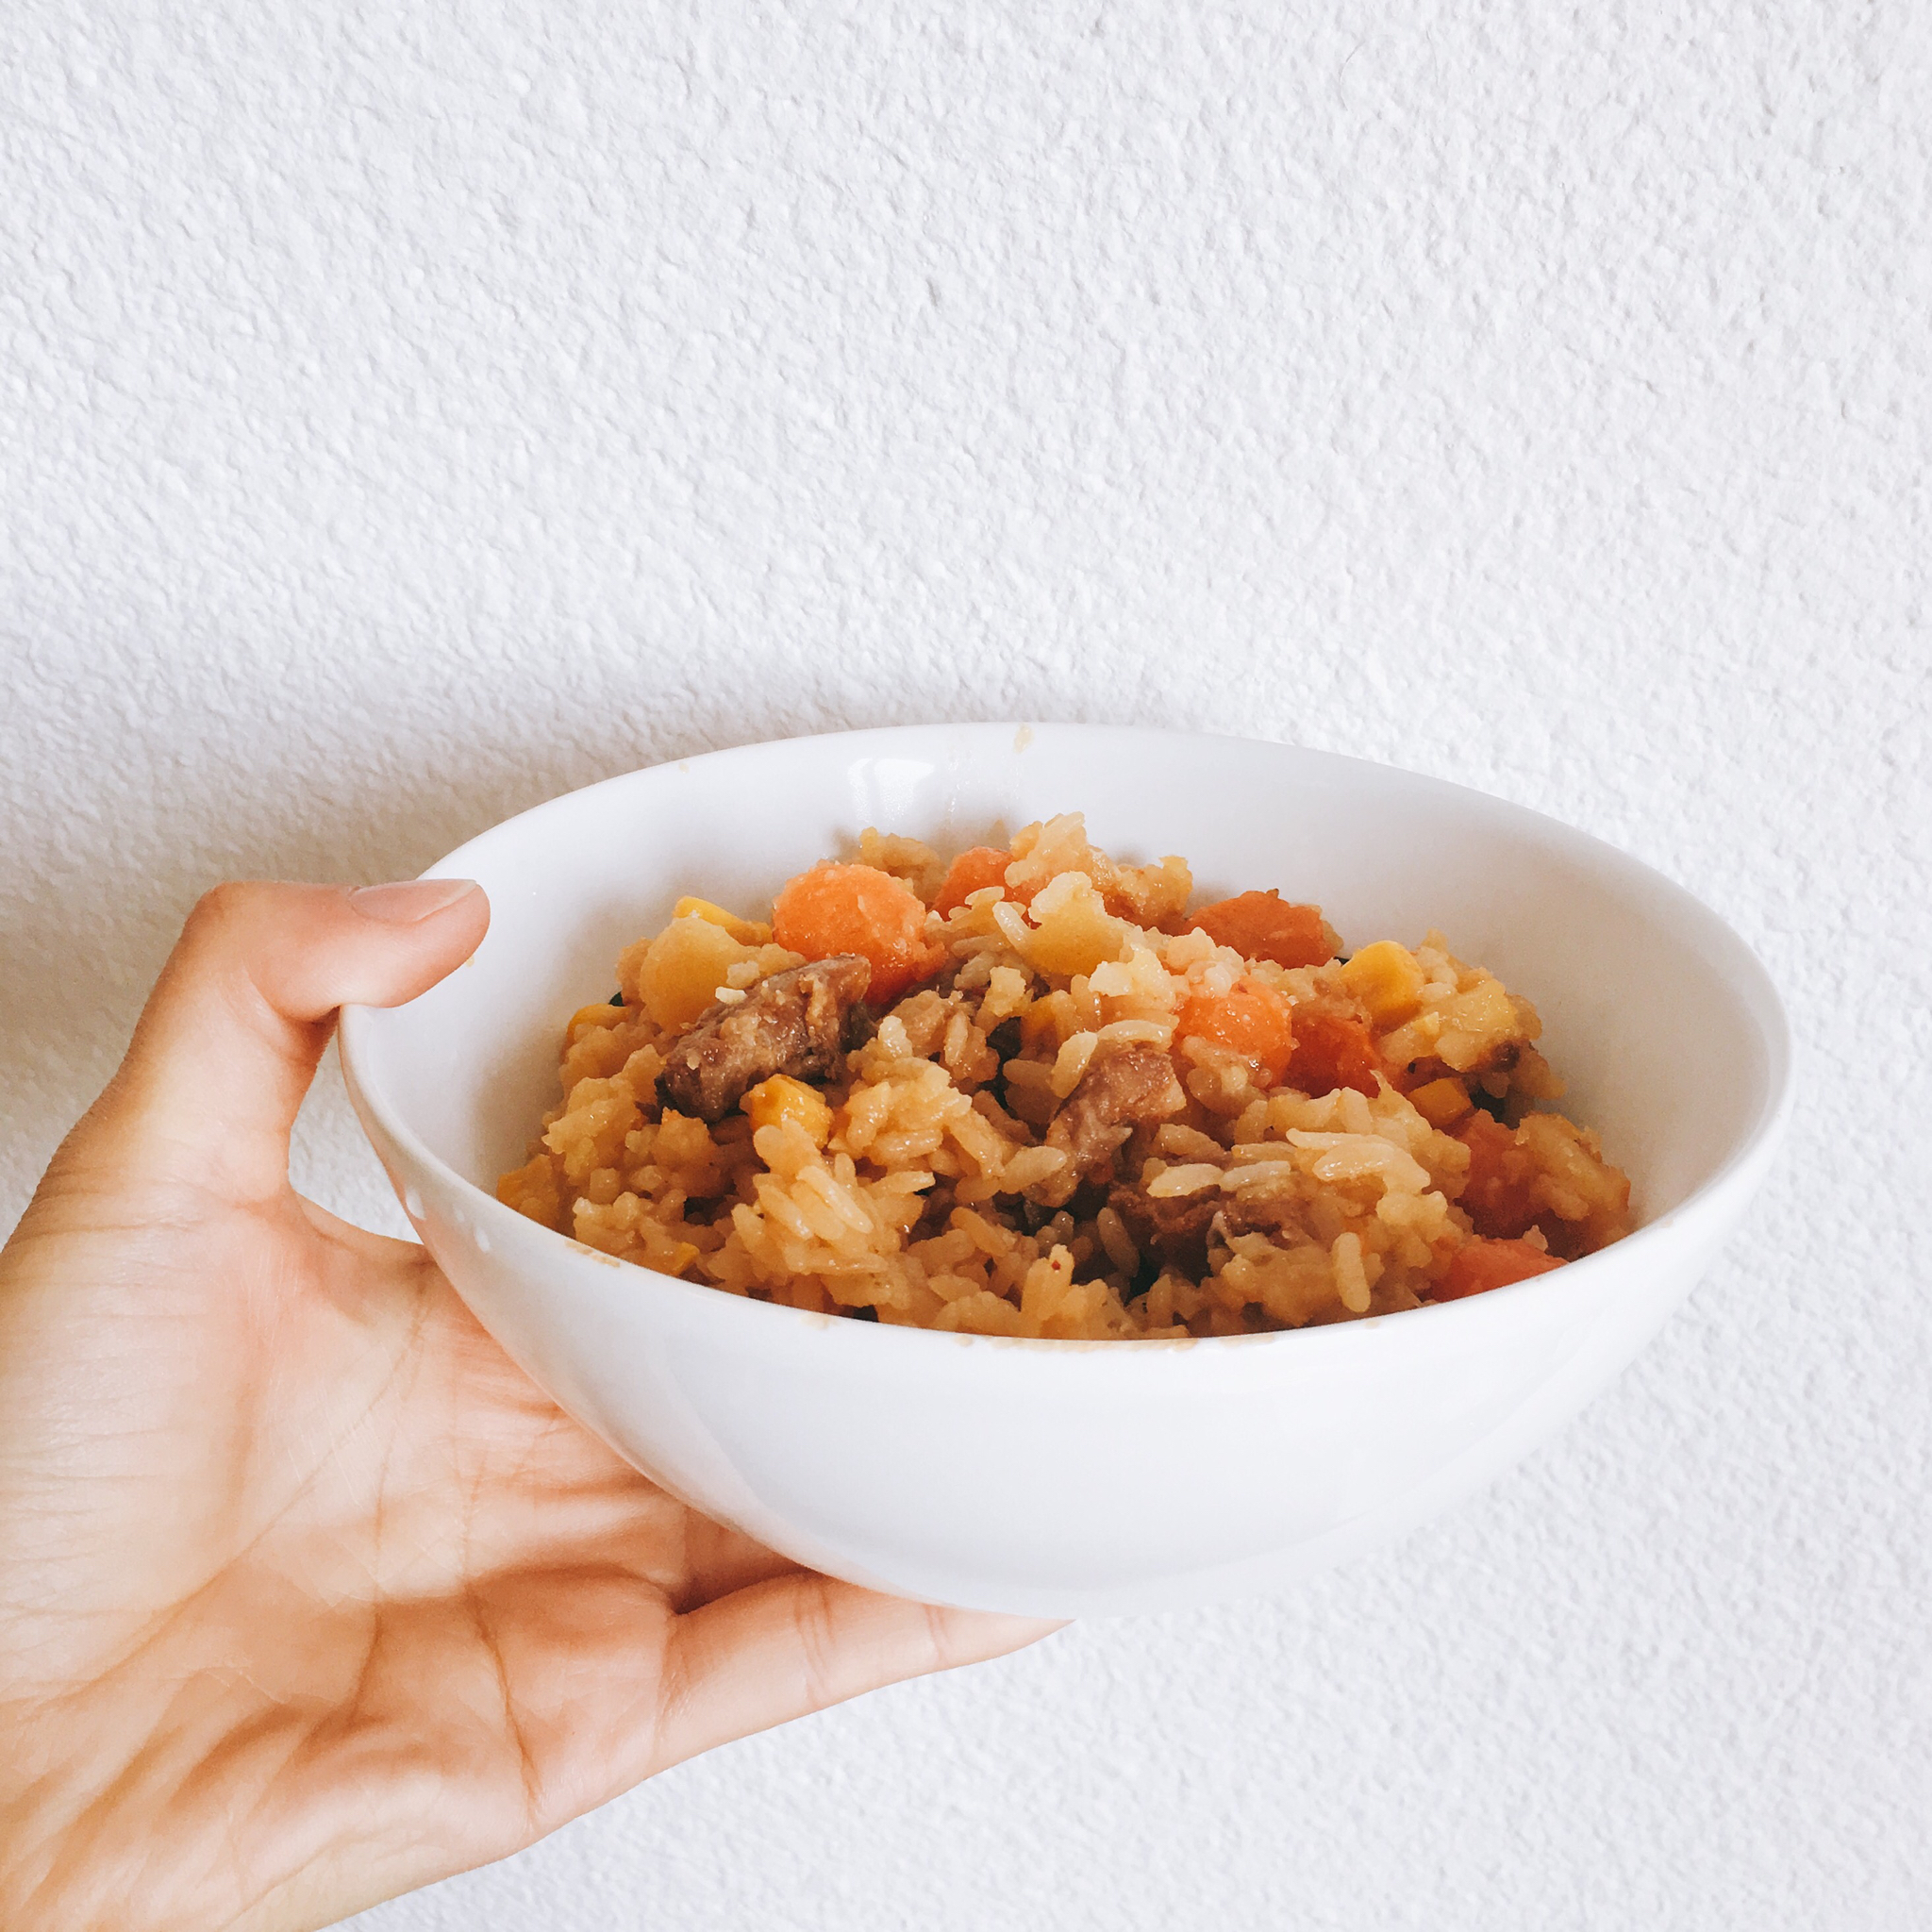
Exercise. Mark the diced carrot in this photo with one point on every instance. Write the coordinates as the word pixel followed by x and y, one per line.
pixel 1254 1020
pixel 971 871
pixel 1481 1265
pixel 1504 1194
pixel 1442 1102
pixel 1500 1195
pixel 1332 1050
pixel 1264 925
pixel 856 908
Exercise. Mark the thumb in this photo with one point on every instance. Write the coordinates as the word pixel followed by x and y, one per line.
pixel 229 1042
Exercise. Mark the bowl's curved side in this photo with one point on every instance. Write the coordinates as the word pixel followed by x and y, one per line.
pixel 1051 1479
pixel 1040 1476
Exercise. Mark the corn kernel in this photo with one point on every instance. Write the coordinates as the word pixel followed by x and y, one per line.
pixel 773 1102
pixel 1442 1102
pixel 682 1256
pixel 1387 979
pixel 748 932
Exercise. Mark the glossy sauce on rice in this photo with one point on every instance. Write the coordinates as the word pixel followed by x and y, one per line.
pixel 1063 1107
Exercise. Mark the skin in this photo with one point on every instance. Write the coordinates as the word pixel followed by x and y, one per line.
pixel 308 1596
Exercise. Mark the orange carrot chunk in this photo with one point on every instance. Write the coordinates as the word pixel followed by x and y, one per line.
pixel 1482 1265
pixel 857 909
pixel 1500 1195
pixel 1264 925
pixel 1332 1050
pixel 971 871
pixel 1253 1020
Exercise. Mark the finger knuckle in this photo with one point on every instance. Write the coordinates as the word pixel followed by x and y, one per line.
pixel 817 1638
pixel 218 905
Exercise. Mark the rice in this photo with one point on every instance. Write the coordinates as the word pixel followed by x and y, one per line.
pixel 1314 1136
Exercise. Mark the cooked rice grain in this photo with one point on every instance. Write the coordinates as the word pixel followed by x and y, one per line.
pixel 1265 1202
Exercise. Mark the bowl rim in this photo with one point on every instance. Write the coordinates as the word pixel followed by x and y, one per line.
pixel 1757 1144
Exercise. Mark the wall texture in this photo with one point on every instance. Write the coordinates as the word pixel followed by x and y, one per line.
pixel 408 413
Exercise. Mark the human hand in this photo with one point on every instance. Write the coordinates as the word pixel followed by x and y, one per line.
pixel 307 1594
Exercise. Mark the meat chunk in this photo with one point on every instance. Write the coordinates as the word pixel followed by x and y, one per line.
pixel 1247 1214
pixel 1121 1089
pixel 1174 1231
pixel 794 1023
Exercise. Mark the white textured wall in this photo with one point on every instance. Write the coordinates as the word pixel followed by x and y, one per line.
pixel 403 420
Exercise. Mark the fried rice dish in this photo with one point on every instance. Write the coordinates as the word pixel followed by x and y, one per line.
pixel 1026 1092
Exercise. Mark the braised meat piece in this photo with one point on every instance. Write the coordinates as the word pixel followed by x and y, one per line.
pixel 1173 1232
pixel 1121 1089
pixel 794 1023
pixel 1262 1216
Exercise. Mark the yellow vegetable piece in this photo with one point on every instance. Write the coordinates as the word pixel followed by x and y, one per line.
pixel 533 1189
pixel 1076 932
pixel 781 1098
pixel 1387 979
pixel 1483 1007
pixel 748 932
pixel 1414 1040
pixel 602 1014
pixel 1039 1022
pixel 684 968
pixel 1442 1102
pixel 1474 1019
pixel 682 1256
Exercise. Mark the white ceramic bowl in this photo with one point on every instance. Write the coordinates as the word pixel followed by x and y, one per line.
pixel 1074 1478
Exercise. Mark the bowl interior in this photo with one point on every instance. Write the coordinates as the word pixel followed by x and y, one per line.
pixel 1663 1023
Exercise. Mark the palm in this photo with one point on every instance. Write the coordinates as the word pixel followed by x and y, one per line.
pixel 424 1616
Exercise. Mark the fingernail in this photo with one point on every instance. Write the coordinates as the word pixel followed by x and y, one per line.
pixel 406 901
